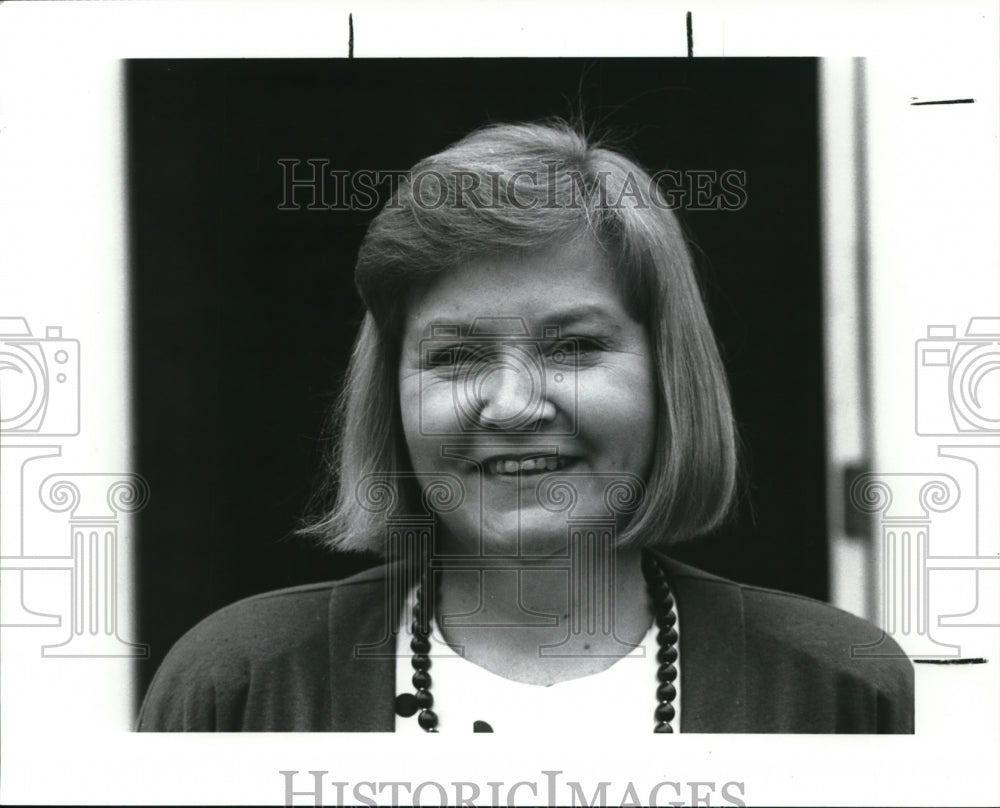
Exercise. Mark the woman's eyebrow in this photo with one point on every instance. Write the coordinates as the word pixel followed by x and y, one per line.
pixel 585 314
pixel 538 326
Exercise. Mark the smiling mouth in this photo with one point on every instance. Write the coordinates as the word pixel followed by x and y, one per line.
pixel 513 466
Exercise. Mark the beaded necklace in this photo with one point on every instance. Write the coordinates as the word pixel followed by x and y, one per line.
pixel 666 673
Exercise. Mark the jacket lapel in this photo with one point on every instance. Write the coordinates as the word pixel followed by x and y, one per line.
pixel 712 650
pixel 363 655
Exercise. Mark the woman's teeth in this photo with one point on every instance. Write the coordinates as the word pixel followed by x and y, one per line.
pixel 530 464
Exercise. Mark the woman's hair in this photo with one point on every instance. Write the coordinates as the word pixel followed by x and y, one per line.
pixel 519 188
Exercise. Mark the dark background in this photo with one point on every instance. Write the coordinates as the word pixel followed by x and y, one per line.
pixel 243 314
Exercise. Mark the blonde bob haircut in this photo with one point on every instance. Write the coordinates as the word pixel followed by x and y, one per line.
pixel 518 188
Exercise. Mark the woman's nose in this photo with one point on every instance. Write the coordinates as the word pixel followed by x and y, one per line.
pixel 511 395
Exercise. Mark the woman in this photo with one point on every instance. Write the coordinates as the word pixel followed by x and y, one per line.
pixel 535 408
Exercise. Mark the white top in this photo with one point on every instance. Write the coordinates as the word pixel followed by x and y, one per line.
pixel 620 699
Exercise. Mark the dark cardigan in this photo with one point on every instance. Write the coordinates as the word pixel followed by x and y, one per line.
pixel 752 660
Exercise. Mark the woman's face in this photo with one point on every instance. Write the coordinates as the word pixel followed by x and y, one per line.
pixel 517 369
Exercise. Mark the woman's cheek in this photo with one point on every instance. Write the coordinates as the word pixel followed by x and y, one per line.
pixel 428 413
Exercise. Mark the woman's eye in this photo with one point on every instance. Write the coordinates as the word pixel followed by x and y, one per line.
pixel 588 345
pixel 574 349
pixel 449 356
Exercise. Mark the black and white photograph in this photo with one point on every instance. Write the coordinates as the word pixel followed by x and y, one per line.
pixel 537 405
pixel 362 393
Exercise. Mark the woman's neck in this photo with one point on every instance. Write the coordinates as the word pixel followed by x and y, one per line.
pixel 542 625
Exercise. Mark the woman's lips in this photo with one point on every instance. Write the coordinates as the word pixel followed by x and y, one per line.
pixel 515 466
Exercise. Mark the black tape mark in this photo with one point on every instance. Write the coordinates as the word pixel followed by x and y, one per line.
pixel 945 101
pixel 965 661
pixel 350 36
pixel 690 32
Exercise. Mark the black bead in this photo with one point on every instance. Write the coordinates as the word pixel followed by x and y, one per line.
pixel 428 720
pixel 663 728
pixel 667 636
pixel 420 645
pixel 665 712
pixel 665 673
pixel 667 653
pixel 418 614
pixel 666 692
pixel 666 620
pixel 421 679
pixel 424 699
pixel 406 704
pixel 421 662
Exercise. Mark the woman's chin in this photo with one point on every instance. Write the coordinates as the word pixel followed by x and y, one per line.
pixel 505 535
